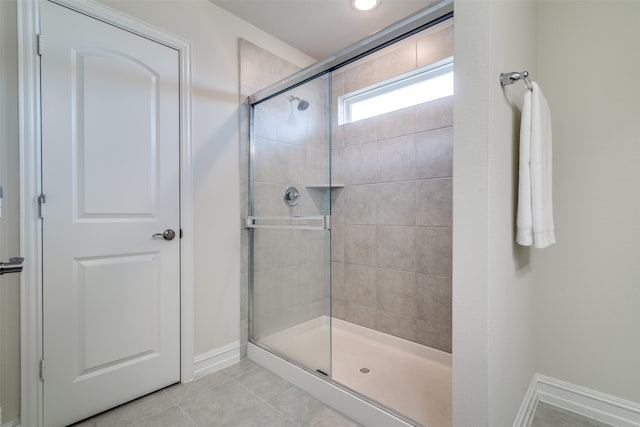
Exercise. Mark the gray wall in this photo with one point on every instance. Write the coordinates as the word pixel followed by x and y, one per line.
pixel 392 221
pixel 588 284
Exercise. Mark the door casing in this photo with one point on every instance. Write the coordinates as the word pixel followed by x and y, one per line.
pixel 30 189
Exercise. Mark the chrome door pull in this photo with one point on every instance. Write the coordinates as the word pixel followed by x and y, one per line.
pixel 167 234
pixel 13 266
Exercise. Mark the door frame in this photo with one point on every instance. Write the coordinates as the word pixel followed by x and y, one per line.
pixel 30 187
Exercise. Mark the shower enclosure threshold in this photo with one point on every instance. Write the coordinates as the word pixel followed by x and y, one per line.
pixel 413 379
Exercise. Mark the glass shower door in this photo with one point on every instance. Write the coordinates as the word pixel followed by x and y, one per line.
pixel 290 239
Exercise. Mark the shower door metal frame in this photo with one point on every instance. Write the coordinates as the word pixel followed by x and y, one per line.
pixel 394 33
pixel 251 221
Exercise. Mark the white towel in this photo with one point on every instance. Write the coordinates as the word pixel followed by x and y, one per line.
pixel 535 203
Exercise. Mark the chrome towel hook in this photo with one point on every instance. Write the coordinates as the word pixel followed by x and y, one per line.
pixel 511 78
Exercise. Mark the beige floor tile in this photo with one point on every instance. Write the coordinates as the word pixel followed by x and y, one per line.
pixel 133 412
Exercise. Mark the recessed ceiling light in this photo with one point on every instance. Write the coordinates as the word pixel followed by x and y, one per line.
pixel 365 4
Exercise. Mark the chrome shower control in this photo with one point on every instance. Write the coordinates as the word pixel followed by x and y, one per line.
pixel 291 196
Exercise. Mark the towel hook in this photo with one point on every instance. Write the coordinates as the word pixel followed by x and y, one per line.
pixel 511 78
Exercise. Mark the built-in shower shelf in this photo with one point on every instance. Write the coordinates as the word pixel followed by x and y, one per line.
pixel 325 186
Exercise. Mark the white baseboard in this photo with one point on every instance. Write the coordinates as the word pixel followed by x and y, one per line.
pixel 590 403
pixel 581 400
pixel 216 360
pixel 529 405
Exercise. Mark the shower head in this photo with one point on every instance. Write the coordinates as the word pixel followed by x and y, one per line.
pixel 302 103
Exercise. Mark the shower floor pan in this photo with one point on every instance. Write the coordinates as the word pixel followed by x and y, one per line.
pixel 411 379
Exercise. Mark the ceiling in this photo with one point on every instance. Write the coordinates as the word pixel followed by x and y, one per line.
pixel 320 27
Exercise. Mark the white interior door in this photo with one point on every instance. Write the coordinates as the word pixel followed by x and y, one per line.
pixel 110 171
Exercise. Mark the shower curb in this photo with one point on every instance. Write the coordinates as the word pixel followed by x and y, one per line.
pixel 328 393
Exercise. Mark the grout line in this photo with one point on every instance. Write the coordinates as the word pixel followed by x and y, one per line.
pixel 176 403
pixel 169 396
pixel 269 404
pixel 187 415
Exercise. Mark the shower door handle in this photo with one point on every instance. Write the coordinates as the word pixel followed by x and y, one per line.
pixel 310 222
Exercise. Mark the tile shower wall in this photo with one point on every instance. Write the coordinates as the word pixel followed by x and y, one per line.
pixel 291 280
pixel 391 237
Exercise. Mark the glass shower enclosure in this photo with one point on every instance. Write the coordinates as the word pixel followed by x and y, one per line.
pixel 289 218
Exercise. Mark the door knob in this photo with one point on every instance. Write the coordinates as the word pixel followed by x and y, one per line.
pixel 13 266
pixel 167 234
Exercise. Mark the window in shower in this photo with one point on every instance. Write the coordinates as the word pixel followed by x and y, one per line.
pixel 429 83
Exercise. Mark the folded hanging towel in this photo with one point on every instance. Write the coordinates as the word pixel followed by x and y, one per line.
pixel 535 204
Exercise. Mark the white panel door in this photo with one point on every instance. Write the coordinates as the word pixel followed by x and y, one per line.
pixel 110 173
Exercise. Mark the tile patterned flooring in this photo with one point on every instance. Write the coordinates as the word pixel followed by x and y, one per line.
pixel 243 395
pixel 247 395
pixel 550 416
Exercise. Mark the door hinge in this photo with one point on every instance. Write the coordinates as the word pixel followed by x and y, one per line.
pixel 39 44
pixel 42 370
pixel 42 199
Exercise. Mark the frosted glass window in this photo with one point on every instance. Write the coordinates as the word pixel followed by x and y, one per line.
pixel 423 85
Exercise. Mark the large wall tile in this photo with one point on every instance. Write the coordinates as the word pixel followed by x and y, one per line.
pixel 396 248
pixel 398 304
pixel 338 309
pixel 265 122
pixel 396 203
pixel 396 159
pixel 434 250
pixel 360 164
pixel 277 161
pixel 315 276
pixel 399 326
pixel 434 299
pixel 292 287
pixel 313 246
pixel 400 60
pixel 267 199
pixel 399 282
pixel 360 285
pixel 338 290
pixel 396 123
pixel 436 45
pixel 435 114
pixel 434 335
pixel 276 248
pixel 337 205
pixel 435 205
pixel 360 132
pixel 360 244
pixel 292 124
pixel 434 153
pixel 359 204
pixel 315 170
pixel 359 76
pixel 360 315
pixel 337 243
